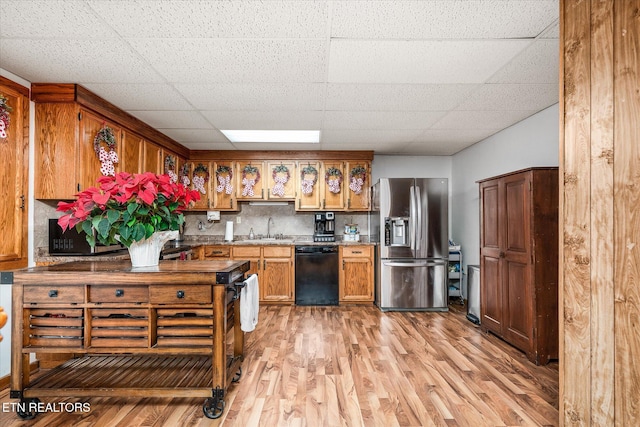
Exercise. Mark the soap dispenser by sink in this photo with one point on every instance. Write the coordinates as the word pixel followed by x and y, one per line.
pixel 251 235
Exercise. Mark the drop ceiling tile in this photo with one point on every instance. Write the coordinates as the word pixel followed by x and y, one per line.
pixel 533 97
pixel 232 61
pixel 69 19
pixel 211 19
pixel 401 61
pixel 539 63
pixel 378 147
pixel 445 142
pixel 489 119
pixel 552 32
pixel 303 120
pixel 441 19
pixel 140 96
pixel 209 145
pixel 380 119
pixel 275 97
pixel 197 136
pixel 398 97
pixel 173 119
pixel 368 136
pixel 74 61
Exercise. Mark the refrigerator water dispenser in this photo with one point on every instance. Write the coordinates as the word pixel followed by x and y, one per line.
pixel 396 231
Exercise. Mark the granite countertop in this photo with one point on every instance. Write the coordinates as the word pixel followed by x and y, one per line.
pixel 294 240
pixel 42 253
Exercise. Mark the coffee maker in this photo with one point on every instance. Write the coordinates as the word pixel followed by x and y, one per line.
pixel 324 227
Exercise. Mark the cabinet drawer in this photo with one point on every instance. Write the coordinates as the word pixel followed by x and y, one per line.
pixel 216 251
pixel 53 294
pixel 356 251
pixel 277 251
pixel 176 294
pixel 131 294
pixel 246 252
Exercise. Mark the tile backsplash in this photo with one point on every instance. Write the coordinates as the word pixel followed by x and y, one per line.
pixel 285 220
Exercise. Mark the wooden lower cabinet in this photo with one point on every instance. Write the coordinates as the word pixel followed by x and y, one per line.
pixel 356 274
pixel 274 267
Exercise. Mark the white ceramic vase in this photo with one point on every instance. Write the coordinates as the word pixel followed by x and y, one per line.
pixel 146 253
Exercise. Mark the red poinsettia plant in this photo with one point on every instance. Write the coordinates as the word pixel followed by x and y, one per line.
pixel 127 208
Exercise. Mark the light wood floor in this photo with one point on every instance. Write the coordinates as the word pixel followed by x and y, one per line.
pixel 353 366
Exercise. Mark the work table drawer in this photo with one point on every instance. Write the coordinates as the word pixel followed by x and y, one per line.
pixel 180 294
pixel 107 294
pixel 53 294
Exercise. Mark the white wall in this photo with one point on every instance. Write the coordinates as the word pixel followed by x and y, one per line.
pixel 531 142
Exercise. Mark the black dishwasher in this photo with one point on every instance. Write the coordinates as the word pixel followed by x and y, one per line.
pixel 316 275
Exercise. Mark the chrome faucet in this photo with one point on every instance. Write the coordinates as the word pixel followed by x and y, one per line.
pixel 269 221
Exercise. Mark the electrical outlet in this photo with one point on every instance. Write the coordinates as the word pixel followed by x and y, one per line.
pixel 238 220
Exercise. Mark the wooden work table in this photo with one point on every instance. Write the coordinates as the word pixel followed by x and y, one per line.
pixel 170 330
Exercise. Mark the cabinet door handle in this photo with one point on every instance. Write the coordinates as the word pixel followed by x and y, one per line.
pixel 357 252
pixel 502 254
pixel 180 294
pixel 119 292
pixel 53 293
pixel 343 264
pixel 22 202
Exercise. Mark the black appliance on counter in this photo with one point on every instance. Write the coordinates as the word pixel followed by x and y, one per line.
pixel 317 275
pixel 72 242
pixel 324 227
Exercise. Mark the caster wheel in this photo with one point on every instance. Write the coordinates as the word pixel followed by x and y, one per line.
pixel 30 410
pixel 213 408
pixel 237 376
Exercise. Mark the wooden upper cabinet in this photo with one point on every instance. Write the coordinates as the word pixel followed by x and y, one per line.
pixel 67 119
pixel 130 152
pixel 308 186
pixel 63 129
pixel 223 186
pixel 152 158
pixel 89 164
pixel 56 142
pixel 357 185
pixel 14 152
pixel 200 177
pixel 250 180
pixel 333 185
pixel 281 180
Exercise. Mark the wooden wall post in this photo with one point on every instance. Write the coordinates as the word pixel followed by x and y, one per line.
pixel 600 212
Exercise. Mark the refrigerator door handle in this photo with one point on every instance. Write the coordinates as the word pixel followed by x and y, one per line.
pixel 406 264
pixel 412 263
pixel 412 212
pixel 419 236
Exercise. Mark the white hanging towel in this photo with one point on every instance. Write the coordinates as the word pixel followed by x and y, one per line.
pixel 249 304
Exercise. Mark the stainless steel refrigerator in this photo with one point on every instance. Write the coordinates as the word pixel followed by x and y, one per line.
pixel 410 220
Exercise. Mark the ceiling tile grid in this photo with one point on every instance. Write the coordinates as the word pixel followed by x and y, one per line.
pixel 401 77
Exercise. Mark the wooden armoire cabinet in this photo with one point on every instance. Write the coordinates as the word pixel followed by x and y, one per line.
pixel 519 260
